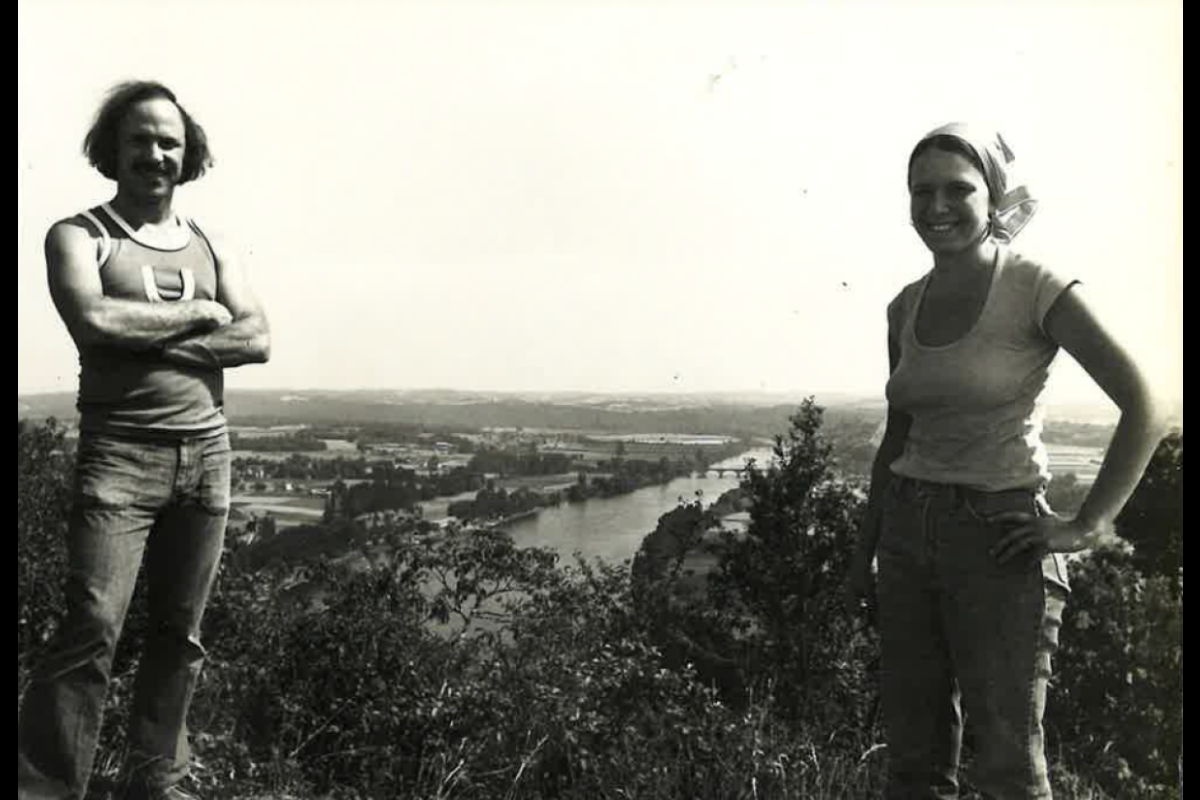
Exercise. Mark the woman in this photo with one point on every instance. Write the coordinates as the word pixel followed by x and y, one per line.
pixel 972 580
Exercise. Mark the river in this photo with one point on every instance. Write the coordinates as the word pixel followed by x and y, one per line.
pixel 612 528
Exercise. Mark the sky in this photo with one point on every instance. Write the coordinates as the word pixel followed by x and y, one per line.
pixel 524 195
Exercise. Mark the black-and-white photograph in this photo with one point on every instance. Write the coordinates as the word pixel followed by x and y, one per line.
pixel 583 400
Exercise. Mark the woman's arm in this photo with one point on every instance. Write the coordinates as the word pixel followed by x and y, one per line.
pixel 860 581
pixel 1073 324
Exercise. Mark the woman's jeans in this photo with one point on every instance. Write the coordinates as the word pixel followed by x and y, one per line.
pixel 166 502
pixel 964 635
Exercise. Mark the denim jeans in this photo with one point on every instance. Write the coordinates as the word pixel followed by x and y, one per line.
pixel 963 633
pixel 162 502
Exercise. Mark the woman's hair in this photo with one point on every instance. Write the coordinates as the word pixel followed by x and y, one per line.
pixel 101 143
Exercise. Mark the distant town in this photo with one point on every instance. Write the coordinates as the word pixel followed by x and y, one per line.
pixel 304 458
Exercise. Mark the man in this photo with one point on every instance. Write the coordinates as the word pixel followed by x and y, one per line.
pixel 157 309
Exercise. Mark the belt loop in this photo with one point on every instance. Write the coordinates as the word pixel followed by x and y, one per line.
pixel 925 489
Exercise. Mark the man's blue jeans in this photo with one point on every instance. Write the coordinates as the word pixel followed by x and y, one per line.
pixel 162 502
pixel 962 632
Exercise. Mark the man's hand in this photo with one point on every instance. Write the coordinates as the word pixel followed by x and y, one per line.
pixel 215 314
pixel 859 591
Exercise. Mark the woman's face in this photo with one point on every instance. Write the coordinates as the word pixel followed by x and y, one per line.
pixel 948 201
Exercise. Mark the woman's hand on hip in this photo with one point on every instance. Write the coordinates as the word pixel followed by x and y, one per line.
pixel 1038 535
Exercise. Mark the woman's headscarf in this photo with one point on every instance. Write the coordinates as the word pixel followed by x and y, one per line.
pixel 1012 206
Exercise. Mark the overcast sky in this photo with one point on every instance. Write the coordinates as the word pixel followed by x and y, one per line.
pixel 613 196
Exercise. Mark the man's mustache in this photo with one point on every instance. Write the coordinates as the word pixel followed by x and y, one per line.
pixel 153 168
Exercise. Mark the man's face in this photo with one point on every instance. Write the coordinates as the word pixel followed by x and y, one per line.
pixel 150 147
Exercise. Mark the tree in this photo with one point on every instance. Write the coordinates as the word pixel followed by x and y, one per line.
pixel 1152 520
pixel 766 616
pixel 480 575
pixel 788 569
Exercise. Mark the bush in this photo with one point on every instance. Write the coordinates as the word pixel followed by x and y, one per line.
pixel 1117 702
pixel 1118 698
pixel 44 468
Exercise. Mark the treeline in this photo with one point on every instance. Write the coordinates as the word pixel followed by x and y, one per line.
pixel 401 490
pixel 302 441
pixel 524 464
pixel 300 467
pixel 1079 434
pixel 491 503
